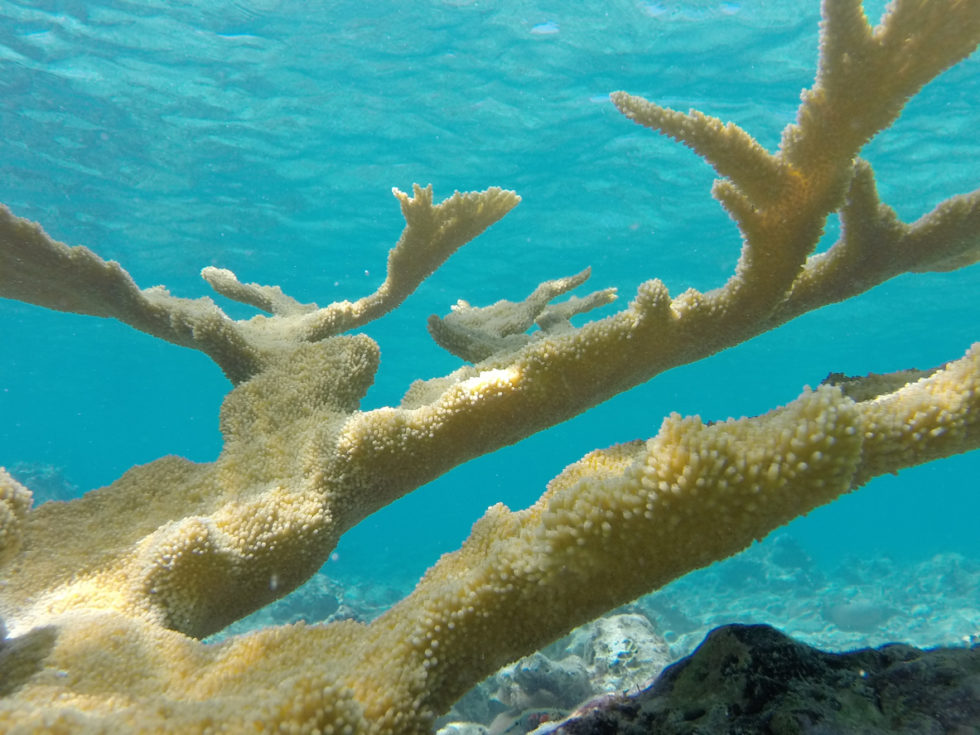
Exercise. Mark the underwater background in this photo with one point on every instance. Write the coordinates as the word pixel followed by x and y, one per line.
pixel 265 137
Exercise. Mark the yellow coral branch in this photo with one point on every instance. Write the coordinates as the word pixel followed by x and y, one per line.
pixel 15 502
pixel 432 233
pixel 611 526
pixel 104 592
pixel 39 270
pixel 866 75
pixel 476 333
pixel 628 519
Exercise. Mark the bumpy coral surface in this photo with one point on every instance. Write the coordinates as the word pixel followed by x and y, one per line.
pixel 105 596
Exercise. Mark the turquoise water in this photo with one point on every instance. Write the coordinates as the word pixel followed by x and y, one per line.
pixel 265 137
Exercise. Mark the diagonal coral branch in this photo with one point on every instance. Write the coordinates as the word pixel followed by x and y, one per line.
pixel 38 270
pixel 301 465
pixel 611 526
pixel 781 201
pixel 624 520
pixel 875 246
pixel 432 234
pixel 865 76
pixel 476 333
pixel 176 549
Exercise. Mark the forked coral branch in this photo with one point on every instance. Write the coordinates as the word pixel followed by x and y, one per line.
pixel 39 270
pixel 104 596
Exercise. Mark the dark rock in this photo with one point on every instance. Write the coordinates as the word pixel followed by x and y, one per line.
pixel 752 679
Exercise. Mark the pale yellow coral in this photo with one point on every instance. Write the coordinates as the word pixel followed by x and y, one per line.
pixel 39 270
pixel 611 526
pixel 105 593
pixel 15 501
pixel 627 519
